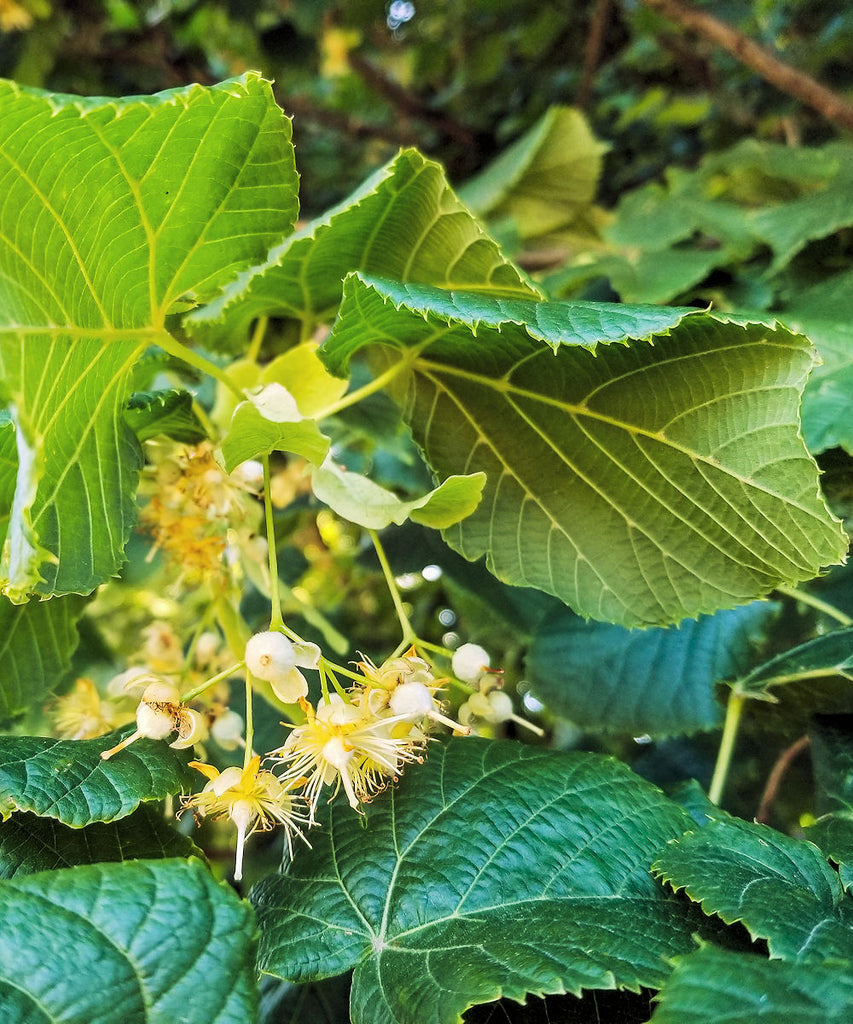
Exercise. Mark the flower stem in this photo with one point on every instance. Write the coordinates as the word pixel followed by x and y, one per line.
pixel 250 724
pixel 734 709
pixel 196 359
pixel 409 635
pixel 257 339
pixel 377 384
pixel 225 674
pixel 276 620
pixel 815 602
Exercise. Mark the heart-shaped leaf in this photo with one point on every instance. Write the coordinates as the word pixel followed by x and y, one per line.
pixel 494 870
pixel 115 214
pixel 68 780
pixel 644 464
pixel 153 941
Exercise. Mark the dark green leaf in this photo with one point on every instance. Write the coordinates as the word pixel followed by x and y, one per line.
pixel 827 655
pixel 68 780
pixel 29 843
pixel 659 476
pixel 782 889
pixel 655 681
pixel 37 640
pixel 144 942
pixel 493 870
pixel 714 985
pixel 170 413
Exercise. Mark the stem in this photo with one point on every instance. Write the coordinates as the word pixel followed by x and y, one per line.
pixel 192 358
pixel 257 339
pixel 250 725
pixel 783 763
pixel 409 635
pixel 352 397
pixel 815 602
pixel 276 620
pixel 225 674
pixel 734 709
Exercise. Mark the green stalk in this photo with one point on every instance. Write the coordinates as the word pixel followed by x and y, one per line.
pixel 409 635
pixel 734 709
pixel 191 357
pixel 225 674
pixel 276 619
pixel 815 602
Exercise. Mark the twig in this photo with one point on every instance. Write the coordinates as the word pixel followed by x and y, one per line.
pixel 795 83
pixel 592 52
pixel 408 102
pixel 783 763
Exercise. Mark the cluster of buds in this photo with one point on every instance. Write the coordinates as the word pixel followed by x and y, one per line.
pixel 159 714
pixel 488 703
pixel 194 507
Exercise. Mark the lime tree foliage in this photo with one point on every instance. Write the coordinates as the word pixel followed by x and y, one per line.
pixel 292 509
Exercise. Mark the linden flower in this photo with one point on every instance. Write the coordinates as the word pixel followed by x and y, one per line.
pixel 83 714
pixel 272 657
pixel 161 713
pixel 254 800
pixel 341 745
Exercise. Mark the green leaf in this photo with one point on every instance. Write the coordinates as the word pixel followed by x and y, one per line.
pixel 831 742
pixel 643 464
pixel 170 413
pixel 742 988
pixel 544 179
pixel 493 870
pixel 251 434
pixel 656 681
pixel 361 501
pixel 824 314
pixel 782 889
pixel 68 780
pixel 147 941
pixel 116 213
pixel 827 655
pixel 29 843
pixel 37 640
pixel 403 222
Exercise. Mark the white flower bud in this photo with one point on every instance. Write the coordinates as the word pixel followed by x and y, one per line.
pixel 154 722
pixel 270 656
pixel 412 700
pixel 500 706
pixel 227 730
pixel 469 662
pixel 161 692
pixel 250 474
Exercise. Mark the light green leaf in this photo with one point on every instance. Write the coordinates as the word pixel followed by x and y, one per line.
pixel 742 988
pixel 544 179
pixel 251 434
pixel 116 213
pixel 301 371
pixel 493 870
pixel 644 464
pixel 656 681
pixel 404 222
pixel 68 780
pixel 29 843
pixel 362 501
pixel 168 413
pixel 37 641
pixel 782 889
pixel 827 655
pixel 152 941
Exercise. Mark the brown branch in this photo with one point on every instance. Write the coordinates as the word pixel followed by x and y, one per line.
pixel 408 102
pixel 774 779
pixel 592 52
pixel 795 83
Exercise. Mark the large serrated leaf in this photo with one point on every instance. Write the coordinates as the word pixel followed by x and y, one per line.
pixel 37 640
pixel 29 843
pixel 714 985
pixel 115 213
pixel 644 464
pixel 146 941
pixel 494 870
pixel 782 889
pixel 656 681
pixel 68 780
pixel 168 413
pixel 403 222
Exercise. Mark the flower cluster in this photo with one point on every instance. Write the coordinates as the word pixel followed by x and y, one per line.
pixel 196 511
